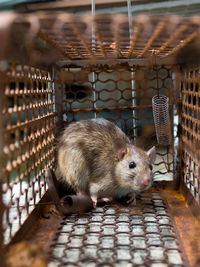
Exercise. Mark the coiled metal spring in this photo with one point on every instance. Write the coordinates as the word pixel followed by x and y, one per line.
pixel 160 105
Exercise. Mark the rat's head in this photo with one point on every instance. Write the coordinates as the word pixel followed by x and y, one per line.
pixel 134 167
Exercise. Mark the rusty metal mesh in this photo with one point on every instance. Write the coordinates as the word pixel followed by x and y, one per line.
pixel 94 38
pixel 144 235
pixel 162 36
pixel 190 116
pixel 28 138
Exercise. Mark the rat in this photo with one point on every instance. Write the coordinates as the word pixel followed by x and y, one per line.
pixel 96 158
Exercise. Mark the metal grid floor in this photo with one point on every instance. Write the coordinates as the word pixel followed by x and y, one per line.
pixel 115 235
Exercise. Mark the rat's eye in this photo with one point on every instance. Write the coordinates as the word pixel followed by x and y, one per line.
pixel 132 165
pixel 150 167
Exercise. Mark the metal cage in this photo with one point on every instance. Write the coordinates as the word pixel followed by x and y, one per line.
pixel 59 68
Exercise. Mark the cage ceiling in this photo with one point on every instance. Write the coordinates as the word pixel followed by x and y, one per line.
pixel 101 37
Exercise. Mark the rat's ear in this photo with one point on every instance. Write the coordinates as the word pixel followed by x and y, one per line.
pixel 119 148
pixel 152 154
pixel 121 153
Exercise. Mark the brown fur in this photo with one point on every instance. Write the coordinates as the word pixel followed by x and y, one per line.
pixel 90 156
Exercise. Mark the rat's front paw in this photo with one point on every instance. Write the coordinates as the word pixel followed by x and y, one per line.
pixel 131 199
pixel 94 201
pixel 104 200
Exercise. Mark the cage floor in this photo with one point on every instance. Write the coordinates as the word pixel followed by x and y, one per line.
pixel 116 235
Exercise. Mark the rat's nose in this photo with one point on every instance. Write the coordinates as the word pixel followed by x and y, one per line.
pixel 146 181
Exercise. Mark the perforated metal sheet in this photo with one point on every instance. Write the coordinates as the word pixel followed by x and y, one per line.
pixel 28 137
pixel 144 235
pixel 190 131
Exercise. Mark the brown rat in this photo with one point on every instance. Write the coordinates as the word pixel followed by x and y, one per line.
pixel 96 158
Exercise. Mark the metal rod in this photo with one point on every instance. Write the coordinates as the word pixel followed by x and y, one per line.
pixel 93 50
pixel 2 207
pixel 157 84
pixel 93 28
pixel 130 20
pixel 110 109
pixel 133 90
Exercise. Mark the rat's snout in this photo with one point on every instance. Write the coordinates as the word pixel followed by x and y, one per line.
pixel 146 181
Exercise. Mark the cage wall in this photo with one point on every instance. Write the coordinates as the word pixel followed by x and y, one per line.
pixel 189 84
pixel 28 141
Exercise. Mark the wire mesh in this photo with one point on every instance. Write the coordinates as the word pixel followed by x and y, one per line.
pixel 112 36
pixel 28 134
pixel 94 37
pixel 190 116
pixel 120 236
